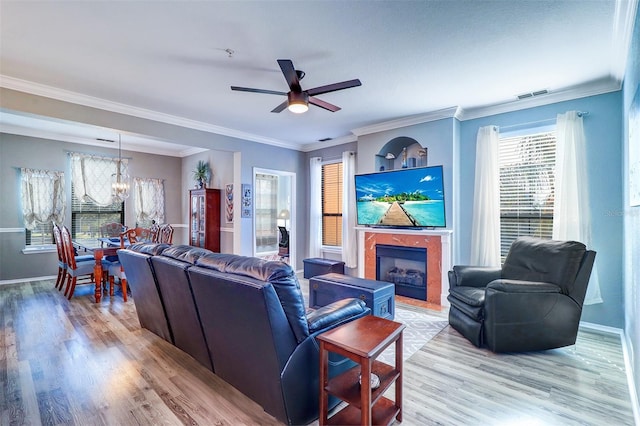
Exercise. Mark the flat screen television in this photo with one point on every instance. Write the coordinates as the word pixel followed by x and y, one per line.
pixel 403 198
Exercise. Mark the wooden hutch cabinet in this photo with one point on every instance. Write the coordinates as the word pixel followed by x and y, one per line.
pixel 204 218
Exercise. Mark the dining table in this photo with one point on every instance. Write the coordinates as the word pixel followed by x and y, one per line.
pixel 99 249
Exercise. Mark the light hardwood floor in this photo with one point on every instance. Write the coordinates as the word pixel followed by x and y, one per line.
pixel 75 362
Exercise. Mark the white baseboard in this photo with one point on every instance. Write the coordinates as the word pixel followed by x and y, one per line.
pixel 633 392
pixel 628 368
pixel 25 280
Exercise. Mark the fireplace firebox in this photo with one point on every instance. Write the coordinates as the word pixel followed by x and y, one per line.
pixel 406 267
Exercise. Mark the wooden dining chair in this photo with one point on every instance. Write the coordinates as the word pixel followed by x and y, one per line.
pixel 166 234
pixel 154 229
pixel 62 257
pixel 111 229
pixel 116 270
pixel 62 263
pixel 76 268
pixel 143 234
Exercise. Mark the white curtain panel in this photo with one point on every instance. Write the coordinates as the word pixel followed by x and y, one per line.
pixel 42 195
pixel 349 238
pixel 149 200
pixel 485 228
pixel 91 177
pixel 571 218
pixel 315 206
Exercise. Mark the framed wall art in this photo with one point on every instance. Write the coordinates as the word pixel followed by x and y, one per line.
pixel 228 196
pixel 247 200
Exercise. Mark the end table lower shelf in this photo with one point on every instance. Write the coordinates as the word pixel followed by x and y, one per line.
pixel 362 341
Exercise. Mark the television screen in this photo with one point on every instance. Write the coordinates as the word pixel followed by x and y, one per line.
pixel 411 197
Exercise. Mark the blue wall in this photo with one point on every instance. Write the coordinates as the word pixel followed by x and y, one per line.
pixel 437 136
pixel 603 130
pixel 632 217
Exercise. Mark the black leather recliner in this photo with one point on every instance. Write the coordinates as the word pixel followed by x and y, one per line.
pixel 534 302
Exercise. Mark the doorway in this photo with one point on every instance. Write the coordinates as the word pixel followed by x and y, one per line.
pixel 274 215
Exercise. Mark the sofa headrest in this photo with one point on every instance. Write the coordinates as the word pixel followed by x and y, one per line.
pixel 286 284
pixel 185 253
pixel 279 274
pixel 551 261
pixel 149 248
pixel 215 261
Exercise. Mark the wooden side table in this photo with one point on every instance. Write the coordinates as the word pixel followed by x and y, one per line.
pixel 362 341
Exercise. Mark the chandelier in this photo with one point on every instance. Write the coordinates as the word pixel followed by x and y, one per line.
pixel 120 179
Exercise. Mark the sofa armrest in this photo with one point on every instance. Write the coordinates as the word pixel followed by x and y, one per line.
pixel 517 286
pixel 336 313
pixel 473 276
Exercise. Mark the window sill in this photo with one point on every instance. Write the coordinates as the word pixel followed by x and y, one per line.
pixel 331 249
pixel 47 248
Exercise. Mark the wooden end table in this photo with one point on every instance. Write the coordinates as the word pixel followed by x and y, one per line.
pixel 362 341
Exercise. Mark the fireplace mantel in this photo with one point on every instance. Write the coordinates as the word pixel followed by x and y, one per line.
pixel 409 238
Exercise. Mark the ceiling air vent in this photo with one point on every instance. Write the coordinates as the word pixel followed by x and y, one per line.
pixel 532 94
pixel 324 139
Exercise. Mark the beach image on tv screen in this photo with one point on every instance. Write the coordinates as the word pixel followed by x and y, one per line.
pixel 402 198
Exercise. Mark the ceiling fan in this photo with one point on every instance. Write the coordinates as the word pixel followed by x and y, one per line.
pixel 298 100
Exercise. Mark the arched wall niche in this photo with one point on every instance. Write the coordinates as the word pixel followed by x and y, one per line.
pixel 395 147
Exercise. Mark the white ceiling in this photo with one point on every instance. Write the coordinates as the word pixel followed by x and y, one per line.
pixel 167 60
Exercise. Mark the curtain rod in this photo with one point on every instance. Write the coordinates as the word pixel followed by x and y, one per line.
pixel 38 169
pixel 93 154
pixel 337 157
pixel 545 122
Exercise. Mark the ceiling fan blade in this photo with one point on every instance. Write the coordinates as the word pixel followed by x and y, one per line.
pixel 249 89
pixel 323 104
pixel 281 107
pixel 290 74
pixel 333 87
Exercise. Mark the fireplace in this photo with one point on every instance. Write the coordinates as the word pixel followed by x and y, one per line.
pixel 406 267
pixel 437 245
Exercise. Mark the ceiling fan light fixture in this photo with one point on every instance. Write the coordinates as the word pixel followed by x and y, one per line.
pixel 298 102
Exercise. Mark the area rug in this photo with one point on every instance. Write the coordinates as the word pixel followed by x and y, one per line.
pixel 421 327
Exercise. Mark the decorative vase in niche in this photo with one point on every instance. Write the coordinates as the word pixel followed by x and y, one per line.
pixel 423 156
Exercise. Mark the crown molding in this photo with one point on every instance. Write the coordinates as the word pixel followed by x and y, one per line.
pixel 13 129
pixel 582 91
pixel 407 121
pixel 93 102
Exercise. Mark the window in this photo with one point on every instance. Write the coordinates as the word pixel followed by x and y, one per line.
pixel 41 235
pixel 332 204
pixel 87 216
pixel 91 200
pixel 526 187
pixel 42 200
pixel 148 195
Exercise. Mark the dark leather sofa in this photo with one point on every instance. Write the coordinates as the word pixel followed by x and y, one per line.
pixel 533 302
pixel 243 318
pixel 148 300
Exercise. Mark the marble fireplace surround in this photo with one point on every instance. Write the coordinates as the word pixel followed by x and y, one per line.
pixel 437 243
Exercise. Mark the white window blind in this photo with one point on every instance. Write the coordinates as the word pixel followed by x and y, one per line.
pixel 526 187
pixel 91 200
pixel 332 204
